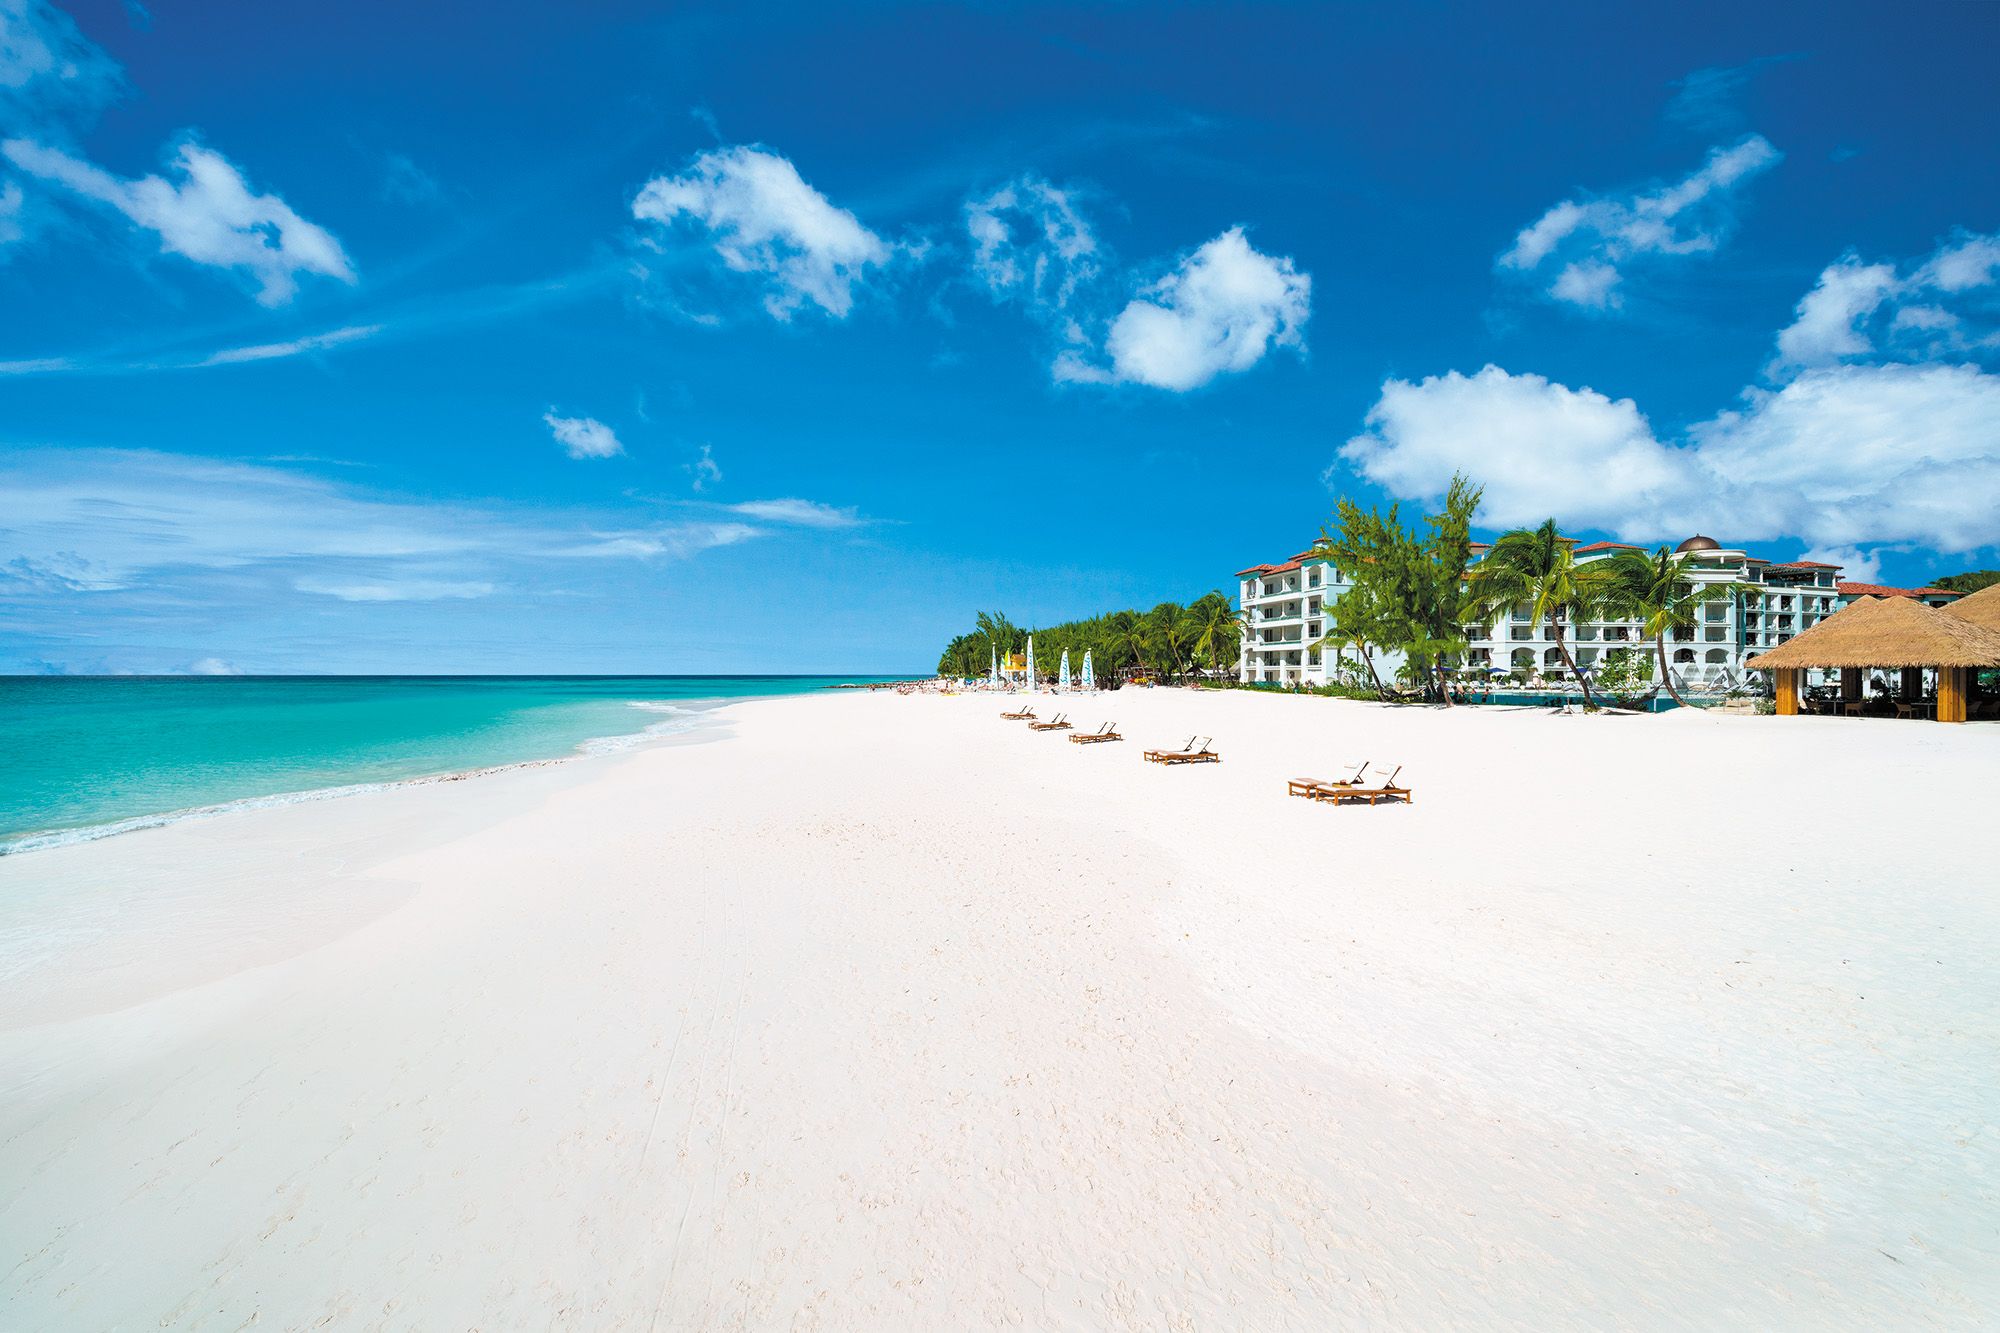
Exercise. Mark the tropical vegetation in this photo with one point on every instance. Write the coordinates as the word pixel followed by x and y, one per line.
pixel 1173 641
pixel 1658 590
pixel 1969 582
pixel 1536 571
pixel 1407 585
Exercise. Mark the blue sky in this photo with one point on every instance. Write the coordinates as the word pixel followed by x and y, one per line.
pixel 759 337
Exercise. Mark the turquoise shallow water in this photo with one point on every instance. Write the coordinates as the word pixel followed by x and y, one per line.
pixel 82 756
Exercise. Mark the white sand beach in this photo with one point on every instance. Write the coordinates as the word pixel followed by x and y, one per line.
pixel 871 1012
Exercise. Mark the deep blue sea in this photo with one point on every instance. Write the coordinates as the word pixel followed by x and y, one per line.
pixel 82 756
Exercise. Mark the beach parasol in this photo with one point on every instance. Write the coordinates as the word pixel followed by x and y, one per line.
pixel 1031 661
pixel 1064 674
pixel 1089 676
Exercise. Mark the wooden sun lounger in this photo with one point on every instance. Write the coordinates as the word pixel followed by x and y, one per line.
pixel 1107 732
pixel 1060 722
pixel 1025 712
pixel 1311 787
pixel 1189 753
pixel 1385 790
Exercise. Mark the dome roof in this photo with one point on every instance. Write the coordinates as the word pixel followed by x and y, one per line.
pixel 1698 543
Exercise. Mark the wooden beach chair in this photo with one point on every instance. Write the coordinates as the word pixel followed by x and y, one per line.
pixel 1311 787
pixel 1196 751
pixel 1025 711
pixel 1107 732
pixel 1385 789
pixel 1060 722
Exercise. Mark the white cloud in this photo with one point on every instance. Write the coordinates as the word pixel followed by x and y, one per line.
pixel 1945 304
pixel 231 356
pixel 762 218
pixel 11 227
pixel 704 472
pixel 1538 448
pixel 46 63
pixel 1856 565
pixel 1219 311
pixel 1842 456
pixel 1029 241
pixel 583 437
pixel 396 590
pixel 677 540
pixel 1592 241
pixel 212 666
pixel 798 513
pixel 210 215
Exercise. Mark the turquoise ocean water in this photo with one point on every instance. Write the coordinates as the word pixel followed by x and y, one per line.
pixel 84 756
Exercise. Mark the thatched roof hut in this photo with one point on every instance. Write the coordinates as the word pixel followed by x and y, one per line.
pixel 1887 632
pixel 1981 608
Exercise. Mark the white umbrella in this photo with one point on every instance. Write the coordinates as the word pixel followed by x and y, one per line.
pixel 1089 677
pixel 1065 669
pixel 1031 661
pixel 993 670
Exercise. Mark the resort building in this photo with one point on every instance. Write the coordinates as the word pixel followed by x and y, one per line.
pixel 1284 615
pixel 1285 611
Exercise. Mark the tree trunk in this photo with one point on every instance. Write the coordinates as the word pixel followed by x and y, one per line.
pixel 1666 672
pixel 1444 685
pixel 1589 699
pixel 1368 661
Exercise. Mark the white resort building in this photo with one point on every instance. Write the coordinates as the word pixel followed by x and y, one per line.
pixel 1284 610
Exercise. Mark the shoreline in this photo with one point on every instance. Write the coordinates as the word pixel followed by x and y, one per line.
pixel 880 1012
pixel 37 840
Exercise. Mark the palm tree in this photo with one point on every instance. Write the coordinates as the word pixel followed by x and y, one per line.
pixel 1537 566
pixel 1659 591
pixel 999 632
pixel 1217 629
pixel 1169 626
pixel 1126 639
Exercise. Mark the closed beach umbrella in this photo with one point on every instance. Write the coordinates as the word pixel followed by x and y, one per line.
pixel 1031 661
pixel 993 671
pixel 1089 677
pixel 1065 669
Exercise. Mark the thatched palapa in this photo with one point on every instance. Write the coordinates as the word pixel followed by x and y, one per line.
pixel 1887 632
pixel 1981 608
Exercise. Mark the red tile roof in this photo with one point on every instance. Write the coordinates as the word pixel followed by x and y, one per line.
pixel 1878 590
pixel 1804 564
pixel 1607 546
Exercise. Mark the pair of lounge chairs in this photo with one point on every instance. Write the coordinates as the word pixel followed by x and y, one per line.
pixel 1107 732
pixel 1026 711
pixel 1060 722
pixel 1353 787
pixel 1195 751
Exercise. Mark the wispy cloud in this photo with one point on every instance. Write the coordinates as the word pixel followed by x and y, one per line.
pixel 1030 242
pixel 798 513
pixel 1945 304
pixel 1590 243
pixel 583 437
pixel 399 590
pixel 208 214
pixel 758 215
pixel 316 342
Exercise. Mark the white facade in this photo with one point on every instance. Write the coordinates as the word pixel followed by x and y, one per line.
pixel 1284 613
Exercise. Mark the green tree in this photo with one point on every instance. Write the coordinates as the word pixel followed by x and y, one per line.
pixel 1969 582
pixel 1169 630
pixel 1407 588
pixel 1537 567
pixel 1217 631
pixel 1659 591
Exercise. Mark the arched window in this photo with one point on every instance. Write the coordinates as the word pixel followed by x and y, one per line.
pixel 1718 657
pixel 1683 657
pixel 1552 658
pixel 1524 659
